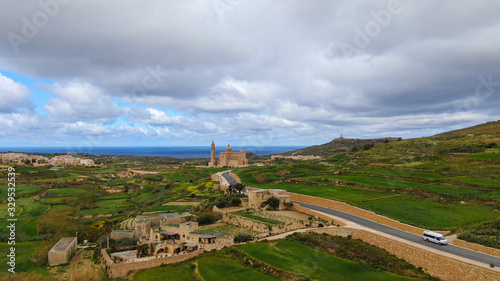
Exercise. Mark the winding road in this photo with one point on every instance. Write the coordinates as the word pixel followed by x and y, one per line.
pixel 229 178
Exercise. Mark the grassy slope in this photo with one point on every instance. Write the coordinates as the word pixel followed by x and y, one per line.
pixel 337 146
pixel 442 182
pixel 299 259
pixel 215 269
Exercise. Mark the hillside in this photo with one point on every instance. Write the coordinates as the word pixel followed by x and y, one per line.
pixel 339 146
pixel 490 128
pixel 448 181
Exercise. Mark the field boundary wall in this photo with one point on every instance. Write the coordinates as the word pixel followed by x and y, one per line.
pixel 116 270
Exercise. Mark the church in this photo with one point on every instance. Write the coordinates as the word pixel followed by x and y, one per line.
pixel 228 158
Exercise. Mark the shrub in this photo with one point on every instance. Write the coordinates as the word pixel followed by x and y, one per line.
pixel 261 178
pixel 282 173
pixel 240 238
pixel 491 145
pixel 208 218
pixel 236 201
pixel 273 202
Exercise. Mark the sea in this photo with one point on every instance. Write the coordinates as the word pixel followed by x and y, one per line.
pixel 171 151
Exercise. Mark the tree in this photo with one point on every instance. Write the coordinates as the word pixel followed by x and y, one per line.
pixel 239 187
pixel 108 228
pixel 236 201
pixel 386 140
pixel 367 146
pixel 273 202
pixel 354 149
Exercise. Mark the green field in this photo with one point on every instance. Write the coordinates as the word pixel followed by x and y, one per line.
pixel 68 178
pixel 178 272
pixel 27 213
pixel 377 181
pixel 108 206
pixel 431 213
pixel 58 199
pixel 118 182
pixel 402 173
pixel 340 193
pixel 485 156
pixel 299 259
pixel 65 191
pixel 482 182
pixel 231 229
pixel 252 216
pixel 216 269
pixel 24 256
pixel 20 190
pixel 458 192
pixel 169 208
pixel 25 208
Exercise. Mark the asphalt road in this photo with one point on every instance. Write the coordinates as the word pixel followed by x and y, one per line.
pixel 462 252
pixel 229 179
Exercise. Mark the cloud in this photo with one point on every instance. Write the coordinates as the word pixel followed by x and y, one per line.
pixel 278 70
pixel 13 95
pixel 80 102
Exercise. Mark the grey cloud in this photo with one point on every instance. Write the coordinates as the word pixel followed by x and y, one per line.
pixel 274 64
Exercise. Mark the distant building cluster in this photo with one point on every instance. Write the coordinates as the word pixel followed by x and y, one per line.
pixel 70 160
pixel 228 158
pixel 21 158
pixel 296 157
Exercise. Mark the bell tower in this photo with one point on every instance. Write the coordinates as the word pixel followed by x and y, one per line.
pixel 213 162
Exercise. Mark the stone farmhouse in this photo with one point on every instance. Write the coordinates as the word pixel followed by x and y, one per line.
pixel 257 198
pixel 228 158
pixel 144 224
pixel 185 237
pixel 164 233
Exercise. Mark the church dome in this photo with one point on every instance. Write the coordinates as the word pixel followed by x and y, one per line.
pixel 229 149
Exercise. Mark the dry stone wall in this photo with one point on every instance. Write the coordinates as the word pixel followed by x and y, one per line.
pixel 477 247
pixel 116 270
pixel 262 227
pixel 316 214
pixel 435 264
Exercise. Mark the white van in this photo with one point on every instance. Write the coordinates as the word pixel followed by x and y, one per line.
pixel 434 237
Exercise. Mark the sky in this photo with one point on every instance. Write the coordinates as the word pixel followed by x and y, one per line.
pixel 249 73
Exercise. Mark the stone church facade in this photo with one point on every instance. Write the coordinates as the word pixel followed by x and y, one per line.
pixel 228 158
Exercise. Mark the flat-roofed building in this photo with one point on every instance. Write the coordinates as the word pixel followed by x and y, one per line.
pixel 62 250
